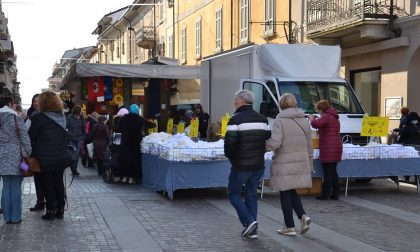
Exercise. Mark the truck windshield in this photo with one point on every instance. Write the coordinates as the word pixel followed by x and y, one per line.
pixel 308 93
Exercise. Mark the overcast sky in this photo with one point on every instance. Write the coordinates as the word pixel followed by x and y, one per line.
pixel 41 30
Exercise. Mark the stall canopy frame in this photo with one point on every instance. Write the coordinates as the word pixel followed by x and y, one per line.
pixel 138 71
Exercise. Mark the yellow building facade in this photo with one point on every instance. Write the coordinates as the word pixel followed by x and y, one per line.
pixel 208 27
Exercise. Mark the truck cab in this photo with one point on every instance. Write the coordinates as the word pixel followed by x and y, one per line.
pixel 308 93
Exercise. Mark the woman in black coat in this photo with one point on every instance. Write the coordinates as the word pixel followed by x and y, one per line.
pixel 49 147
pixel 410 134
pixel 131 126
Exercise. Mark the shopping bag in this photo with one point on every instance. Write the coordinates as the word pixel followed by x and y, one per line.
pixel 90 150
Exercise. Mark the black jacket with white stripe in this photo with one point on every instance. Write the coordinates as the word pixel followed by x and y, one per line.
pixel 245 139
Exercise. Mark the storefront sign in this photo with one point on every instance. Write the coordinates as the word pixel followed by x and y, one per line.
pixel 375 126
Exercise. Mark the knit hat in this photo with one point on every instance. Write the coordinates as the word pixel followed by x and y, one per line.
pixel 134 109
pixel 122 111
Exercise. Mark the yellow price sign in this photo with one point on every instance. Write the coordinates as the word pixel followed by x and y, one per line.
pixel 193 132
pixel 170 126
pixel 223 127
pixel 180 127
pixel 375 126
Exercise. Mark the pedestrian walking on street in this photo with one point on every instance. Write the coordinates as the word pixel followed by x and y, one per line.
pixel 245 147
pixel 91 121
pixel 330 148
pixel 101 136
pixel 14 141
pixel 122 112
pixel 40 196
pixel 131 126
pixel 76 128
pixel 49 143
pixel 292 161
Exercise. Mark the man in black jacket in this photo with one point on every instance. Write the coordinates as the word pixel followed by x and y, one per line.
pixel 245 147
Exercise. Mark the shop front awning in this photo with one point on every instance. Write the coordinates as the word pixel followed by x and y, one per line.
pixel 138 71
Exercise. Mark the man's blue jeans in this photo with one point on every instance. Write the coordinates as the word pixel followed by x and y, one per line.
pixel 75 159
pixel 11 198
pixel 247 210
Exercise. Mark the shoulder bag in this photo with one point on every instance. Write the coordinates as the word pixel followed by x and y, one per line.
pixel 27 164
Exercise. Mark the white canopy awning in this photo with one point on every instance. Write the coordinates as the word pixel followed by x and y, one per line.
pixel 138 71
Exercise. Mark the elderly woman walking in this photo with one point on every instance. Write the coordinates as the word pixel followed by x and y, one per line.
pixel 49 143
pixel 14 142
pixel 330 148
pixel 292 161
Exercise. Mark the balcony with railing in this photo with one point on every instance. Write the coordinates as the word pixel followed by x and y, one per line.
pixel 352 22
pixel 145 37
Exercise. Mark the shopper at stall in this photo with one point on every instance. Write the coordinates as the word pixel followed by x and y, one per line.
pixel 122 112
pixel 131 126
pixel 14 140
pixel 245 147
pixel 101 136
pixel 331 148
pixel 203 120
pixel 49 144
pixel 40 196
pixel 292 161
pixel 76 129
pixel 404 117
pixel 91 120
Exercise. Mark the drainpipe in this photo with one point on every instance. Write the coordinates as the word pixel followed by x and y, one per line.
pixel 129 38
pixel 231 24
pixel 173 30
pixel 119 42
pixel 290 22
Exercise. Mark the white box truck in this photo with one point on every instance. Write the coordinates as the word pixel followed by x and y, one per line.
pixel 310 72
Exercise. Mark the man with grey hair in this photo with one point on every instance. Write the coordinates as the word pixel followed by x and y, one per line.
pixel 245 147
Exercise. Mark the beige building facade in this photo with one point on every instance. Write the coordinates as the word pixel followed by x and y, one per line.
pixel 380 50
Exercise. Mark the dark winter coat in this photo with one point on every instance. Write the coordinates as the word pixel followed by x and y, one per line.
pixel 100 140
pixel 203 124
pixel 10 143
pixel 131 126
pixel 90 124
pixel 330 144
pixel 76 127
pixel 49 142
pixel 245 139
pixel 410 134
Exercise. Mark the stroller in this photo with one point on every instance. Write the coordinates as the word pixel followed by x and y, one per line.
pixel 112 159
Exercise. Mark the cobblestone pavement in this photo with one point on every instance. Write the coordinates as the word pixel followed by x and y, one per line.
pixel 113 217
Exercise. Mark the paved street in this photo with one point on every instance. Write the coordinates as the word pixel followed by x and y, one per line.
pixel 103 217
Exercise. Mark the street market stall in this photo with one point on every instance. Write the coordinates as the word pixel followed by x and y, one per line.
pixel 171 163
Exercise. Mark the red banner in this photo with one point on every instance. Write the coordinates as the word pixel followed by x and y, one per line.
pixel 95 87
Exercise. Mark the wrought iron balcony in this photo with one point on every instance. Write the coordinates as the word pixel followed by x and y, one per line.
pixel 339 18
pixel 145 37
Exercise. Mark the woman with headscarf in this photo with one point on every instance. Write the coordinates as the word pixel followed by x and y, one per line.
pixel 12 144
pixel 49 143
pixel 131 127
pixel 40 196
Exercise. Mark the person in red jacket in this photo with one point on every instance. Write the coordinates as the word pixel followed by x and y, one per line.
pixel 330 148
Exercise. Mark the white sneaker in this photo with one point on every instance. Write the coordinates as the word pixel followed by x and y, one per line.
pixel 131 180
pixel 124 180
pixel 287 231
pixel 304 224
